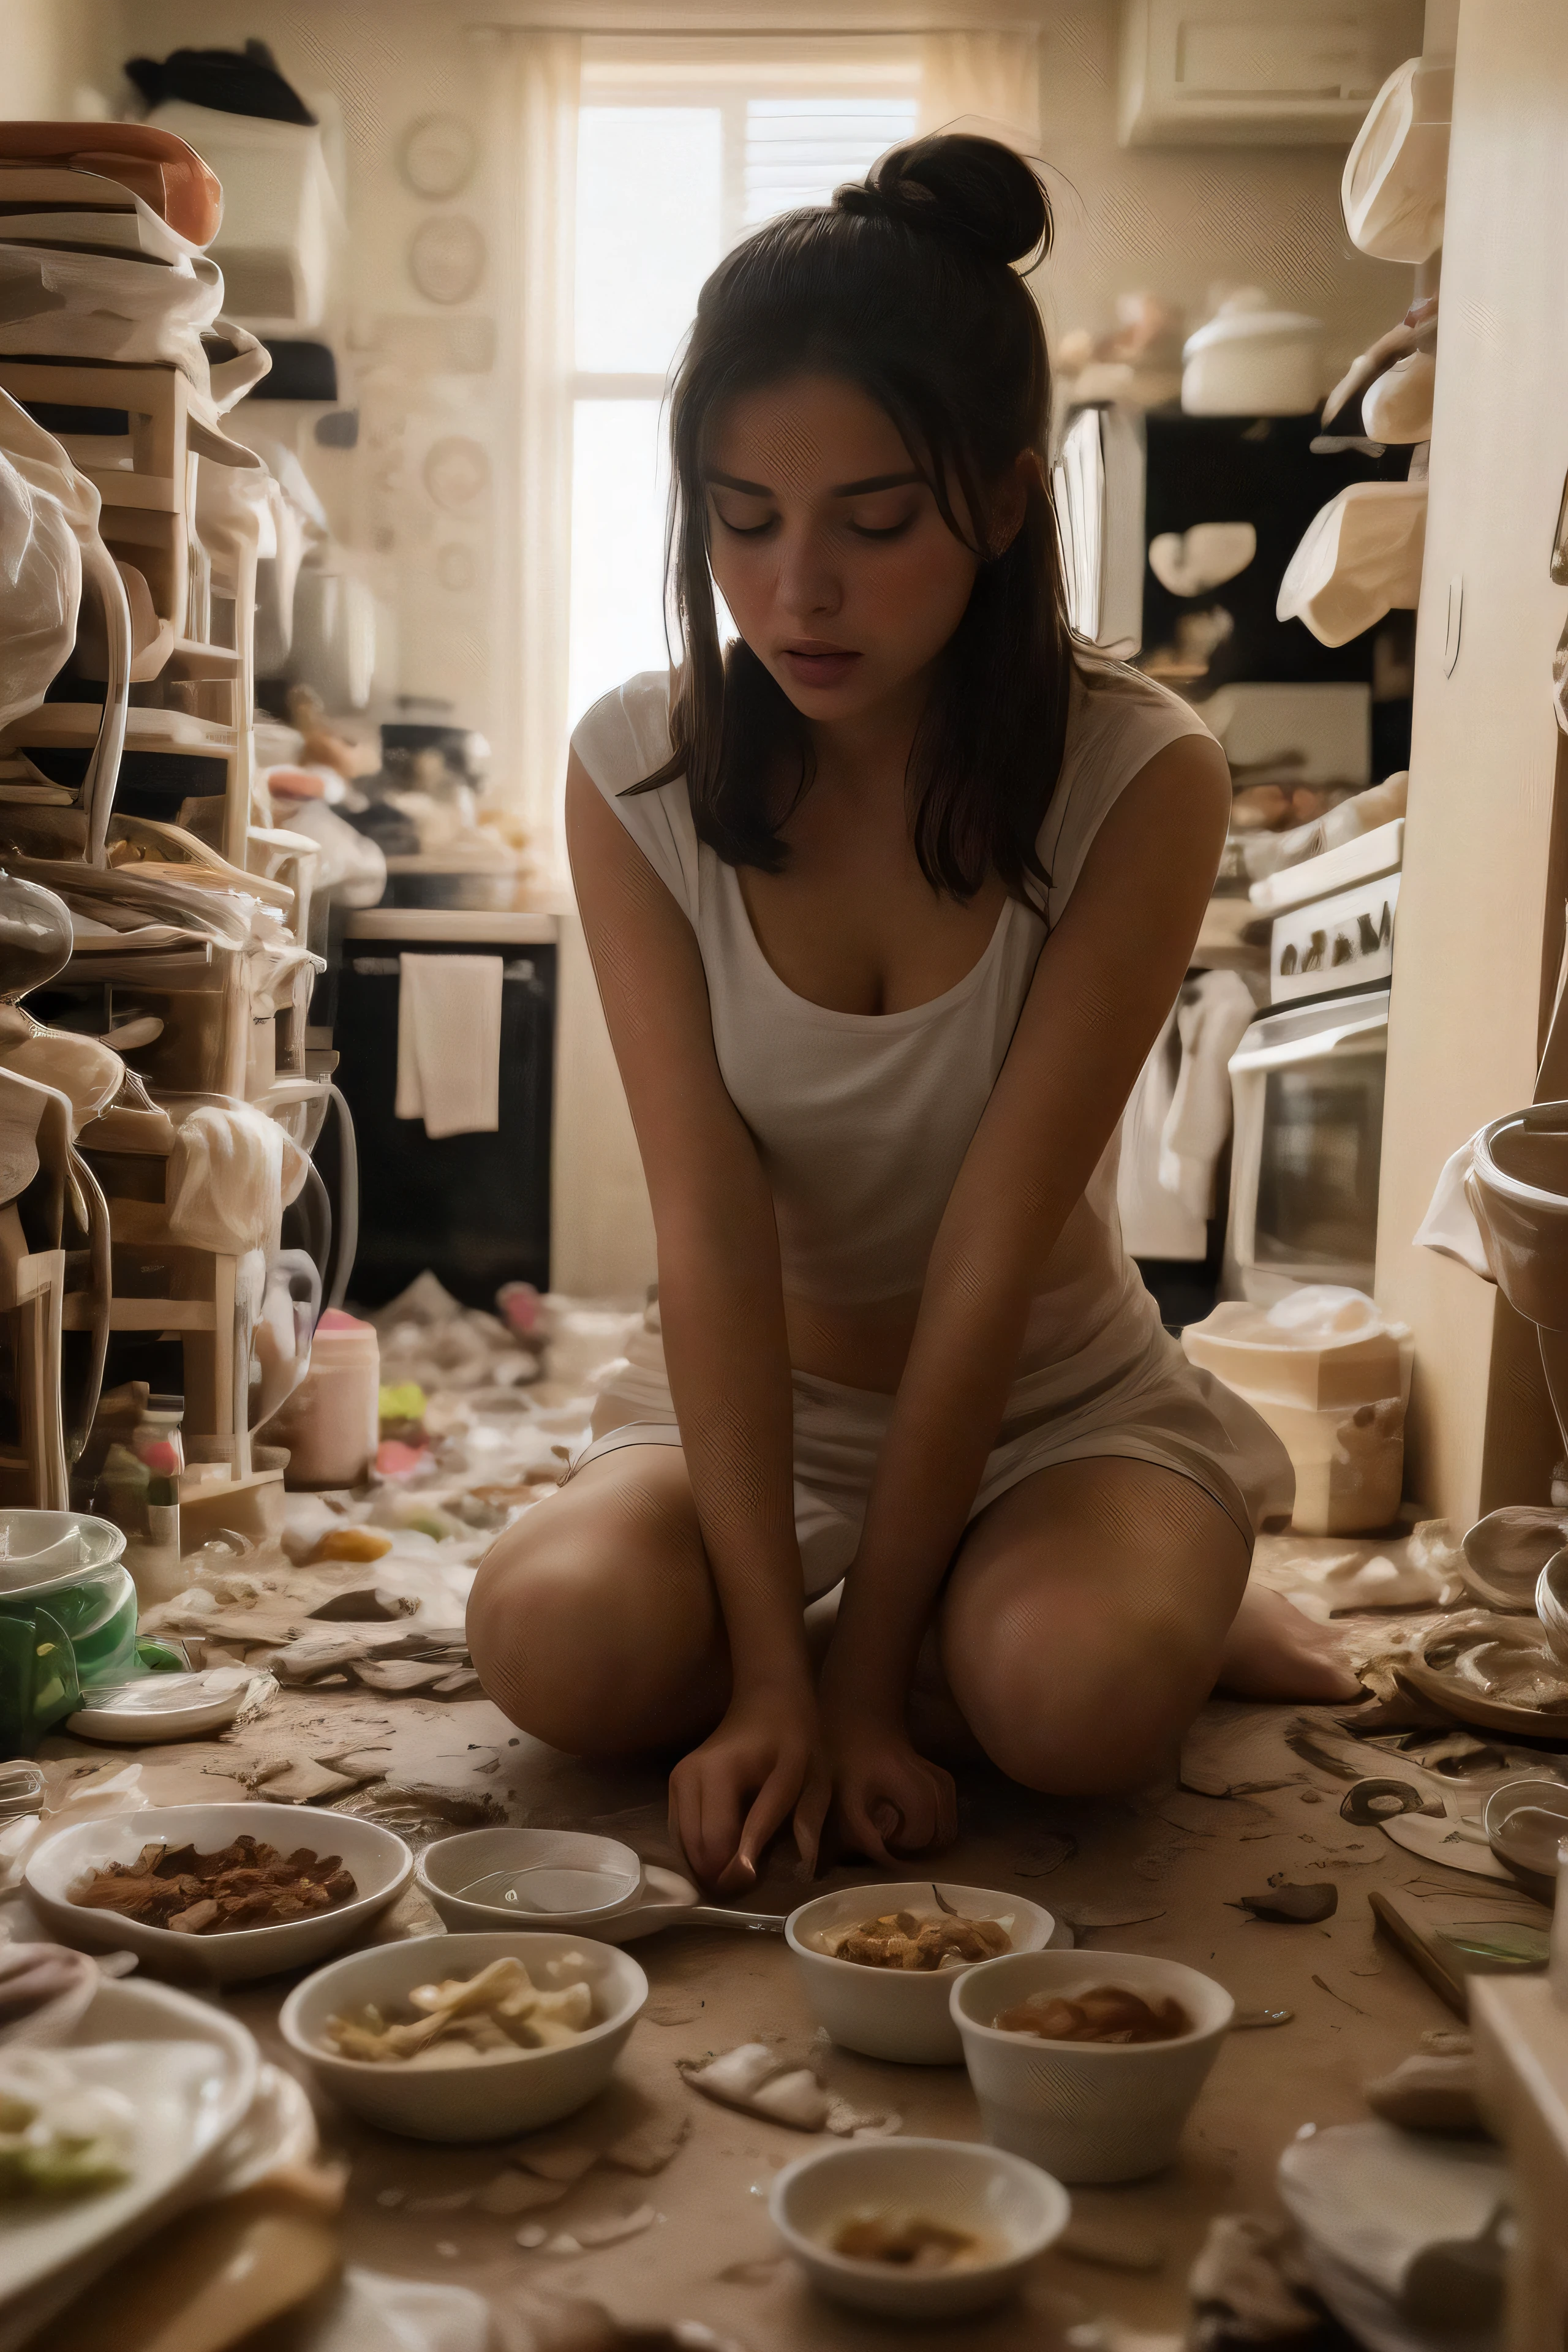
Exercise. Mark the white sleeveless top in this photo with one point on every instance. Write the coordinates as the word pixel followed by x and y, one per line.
pixel 862 1120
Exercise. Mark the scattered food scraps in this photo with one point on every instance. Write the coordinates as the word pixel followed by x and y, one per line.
pixel 1292 1905
pixel 244 1885
pixel 551 2156
pixel 650 2145
pixel 613 2227
pixel 1110 2247
pixel 757 2081
pixel 1324 1987
pixel 518 2192
pixel 1428 2093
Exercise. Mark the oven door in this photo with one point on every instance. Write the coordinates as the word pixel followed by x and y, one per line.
pixel 1308 1090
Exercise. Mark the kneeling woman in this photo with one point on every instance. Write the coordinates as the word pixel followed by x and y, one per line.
pixel 888 903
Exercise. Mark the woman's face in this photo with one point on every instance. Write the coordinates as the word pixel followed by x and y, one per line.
pixel 829 548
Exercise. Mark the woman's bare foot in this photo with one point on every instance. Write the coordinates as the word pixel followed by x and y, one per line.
pixel 1272 1651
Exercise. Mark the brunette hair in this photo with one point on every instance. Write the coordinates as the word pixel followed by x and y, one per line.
pixel 905 286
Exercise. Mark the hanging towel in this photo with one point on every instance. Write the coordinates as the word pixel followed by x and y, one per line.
pixel 448 1042
pixel 1154 1223
pixel 1212 1017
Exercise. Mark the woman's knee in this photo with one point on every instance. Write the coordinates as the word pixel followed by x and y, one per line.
pixel 1084 1722
pixel 594 1645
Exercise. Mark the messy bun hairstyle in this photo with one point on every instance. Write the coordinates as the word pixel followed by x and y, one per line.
pixel 909 287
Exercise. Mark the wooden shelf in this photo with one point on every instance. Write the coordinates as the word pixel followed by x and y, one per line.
pixel 189 660
pixel 140 1314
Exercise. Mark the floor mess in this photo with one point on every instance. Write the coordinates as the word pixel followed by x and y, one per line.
pixel 1255 1860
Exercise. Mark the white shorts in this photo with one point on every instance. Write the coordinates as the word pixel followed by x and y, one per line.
pixel 1159 1409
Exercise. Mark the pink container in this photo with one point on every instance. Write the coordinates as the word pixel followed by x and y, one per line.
pixel 330 1424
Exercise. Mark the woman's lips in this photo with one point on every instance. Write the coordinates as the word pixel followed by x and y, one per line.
pixel 820 666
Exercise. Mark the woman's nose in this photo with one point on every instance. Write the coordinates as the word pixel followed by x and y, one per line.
pixel 807 584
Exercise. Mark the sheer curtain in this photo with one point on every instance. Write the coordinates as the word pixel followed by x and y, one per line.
pixel 534 104
pixel 988 82
pixel 781 134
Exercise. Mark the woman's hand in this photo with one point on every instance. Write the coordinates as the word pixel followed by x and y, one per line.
pixel 888 1794
pixel 728 1796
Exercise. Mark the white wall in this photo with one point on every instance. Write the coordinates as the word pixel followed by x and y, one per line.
pixel 49 53
pixel 1480 908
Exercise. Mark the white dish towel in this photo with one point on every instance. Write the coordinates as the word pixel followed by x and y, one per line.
pixel 448 1042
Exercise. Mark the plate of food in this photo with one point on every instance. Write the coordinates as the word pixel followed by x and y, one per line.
pixel 217 1894
pixel 105 2134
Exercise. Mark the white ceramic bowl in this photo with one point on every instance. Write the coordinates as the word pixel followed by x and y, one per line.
pixel 1552 1604
pixel 1087 2110
pixel 573 1860
pixel 381 1864
pixel 1013 2204
pixel 466 2103
pixel 883 2012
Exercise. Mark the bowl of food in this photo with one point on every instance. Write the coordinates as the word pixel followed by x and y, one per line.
pixel 916 2229
pixel 878 1962
pixel 1089 2062
pixel 467 2037
pixel 214 1893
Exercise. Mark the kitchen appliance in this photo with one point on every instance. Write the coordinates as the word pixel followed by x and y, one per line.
pixel 1333 915
pixel 474 1208
pixel 1307 1079
pixel 1307 1085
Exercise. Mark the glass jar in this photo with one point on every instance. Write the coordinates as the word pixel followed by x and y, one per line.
pixel 139 1489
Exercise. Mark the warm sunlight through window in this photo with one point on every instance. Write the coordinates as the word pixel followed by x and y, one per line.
pixel 669 176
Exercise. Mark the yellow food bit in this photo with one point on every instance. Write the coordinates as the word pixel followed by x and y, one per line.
pixel 357 1544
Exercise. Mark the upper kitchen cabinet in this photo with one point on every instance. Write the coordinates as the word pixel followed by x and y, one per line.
pixel 1256 72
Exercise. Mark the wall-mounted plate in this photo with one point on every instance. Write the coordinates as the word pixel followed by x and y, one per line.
pixel 446 257
pixel 438 155
pixel 455 567
pixel 456 471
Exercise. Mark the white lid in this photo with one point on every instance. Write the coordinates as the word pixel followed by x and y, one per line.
pixel 330 1349
pixel 1247 318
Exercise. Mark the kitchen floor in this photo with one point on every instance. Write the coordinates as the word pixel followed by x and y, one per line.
pixel 1159 1873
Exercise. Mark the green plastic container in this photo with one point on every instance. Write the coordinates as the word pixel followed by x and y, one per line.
pixel 68 1620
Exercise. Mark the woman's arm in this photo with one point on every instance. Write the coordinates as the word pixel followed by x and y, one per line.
pixel 721 1312
pixel 1104 983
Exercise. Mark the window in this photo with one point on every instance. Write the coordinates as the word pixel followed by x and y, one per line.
pixel 679 153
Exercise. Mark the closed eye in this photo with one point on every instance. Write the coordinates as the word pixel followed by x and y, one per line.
pixel 882 530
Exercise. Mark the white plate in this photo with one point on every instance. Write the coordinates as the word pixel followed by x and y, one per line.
pixel 381 1864
pixel 164 1706
pixel 191 2075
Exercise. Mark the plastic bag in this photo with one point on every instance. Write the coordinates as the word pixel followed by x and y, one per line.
pixel 99 306
pixel 40 591
pixel 353 867
pixel 231 1173
pixel 1359 558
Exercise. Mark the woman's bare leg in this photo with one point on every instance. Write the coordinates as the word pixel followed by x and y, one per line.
pixel 1092 1609
pixel 1272 1651
pixel 1084 1622
pixel 594 1622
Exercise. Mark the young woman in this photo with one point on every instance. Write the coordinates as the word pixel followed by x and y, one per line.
pixel 888 903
